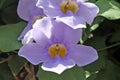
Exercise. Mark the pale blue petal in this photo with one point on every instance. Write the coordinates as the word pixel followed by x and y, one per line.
pixel 83 55
pixel 88 11
pixel 72 36
pixel 51 7
pixel 44 25
pixel 23 9
pixel 34 53
pixel 40 37
pixel 58 69
pixel 73 21
pixel 35 11
pixel 63 33
pixel 58 65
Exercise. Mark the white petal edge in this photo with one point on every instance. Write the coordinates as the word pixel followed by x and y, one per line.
pixel 58 69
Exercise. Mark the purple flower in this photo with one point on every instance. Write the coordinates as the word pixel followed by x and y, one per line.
pixel 75 13
pixel 57 49
pixel 28 11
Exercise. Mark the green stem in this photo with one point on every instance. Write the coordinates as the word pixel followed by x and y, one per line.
pixel 117 44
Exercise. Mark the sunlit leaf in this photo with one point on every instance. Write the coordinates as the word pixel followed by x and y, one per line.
pixel 109 9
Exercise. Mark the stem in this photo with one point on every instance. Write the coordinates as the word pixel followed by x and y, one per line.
pixel 109 47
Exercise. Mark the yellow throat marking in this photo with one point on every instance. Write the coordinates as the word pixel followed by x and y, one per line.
pixel 57 49
pixel 69 5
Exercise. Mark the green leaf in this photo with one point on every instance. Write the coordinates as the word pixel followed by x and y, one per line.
pixel 108 73
pixel 43 75
pixel 16 63
pixel 75 73
pixel 5 73
pixel 8 36
pixel 109 9
pixel 9 14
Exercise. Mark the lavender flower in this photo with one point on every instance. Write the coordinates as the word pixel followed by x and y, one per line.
pixel 56 48
pixel 75 13
pixel 28 11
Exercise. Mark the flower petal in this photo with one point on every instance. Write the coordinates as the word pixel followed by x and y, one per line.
pixel 51 7
pixel 58 31
pixel 83 55
pixel 24 7
pixel 35 11
pixel 64 33
pixel 73 21
pixel 40 37
pixel 44 25
pixel 58 69
pixel 88 11
pixel 33 53
pixel 72 36
pixel 57 65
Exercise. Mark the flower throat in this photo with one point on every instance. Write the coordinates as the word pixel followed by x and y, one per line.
pixel 57 49
pixel 69 5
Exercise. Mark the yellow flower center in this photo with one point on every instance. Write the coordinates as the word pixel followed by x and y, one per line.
pixel 69 5
pixel 36 18
pixel 57 49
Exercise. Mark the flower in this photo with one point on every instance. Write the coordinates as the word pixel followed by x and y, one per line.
pixel 75 13
pixel 29 12
pixel 57 50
